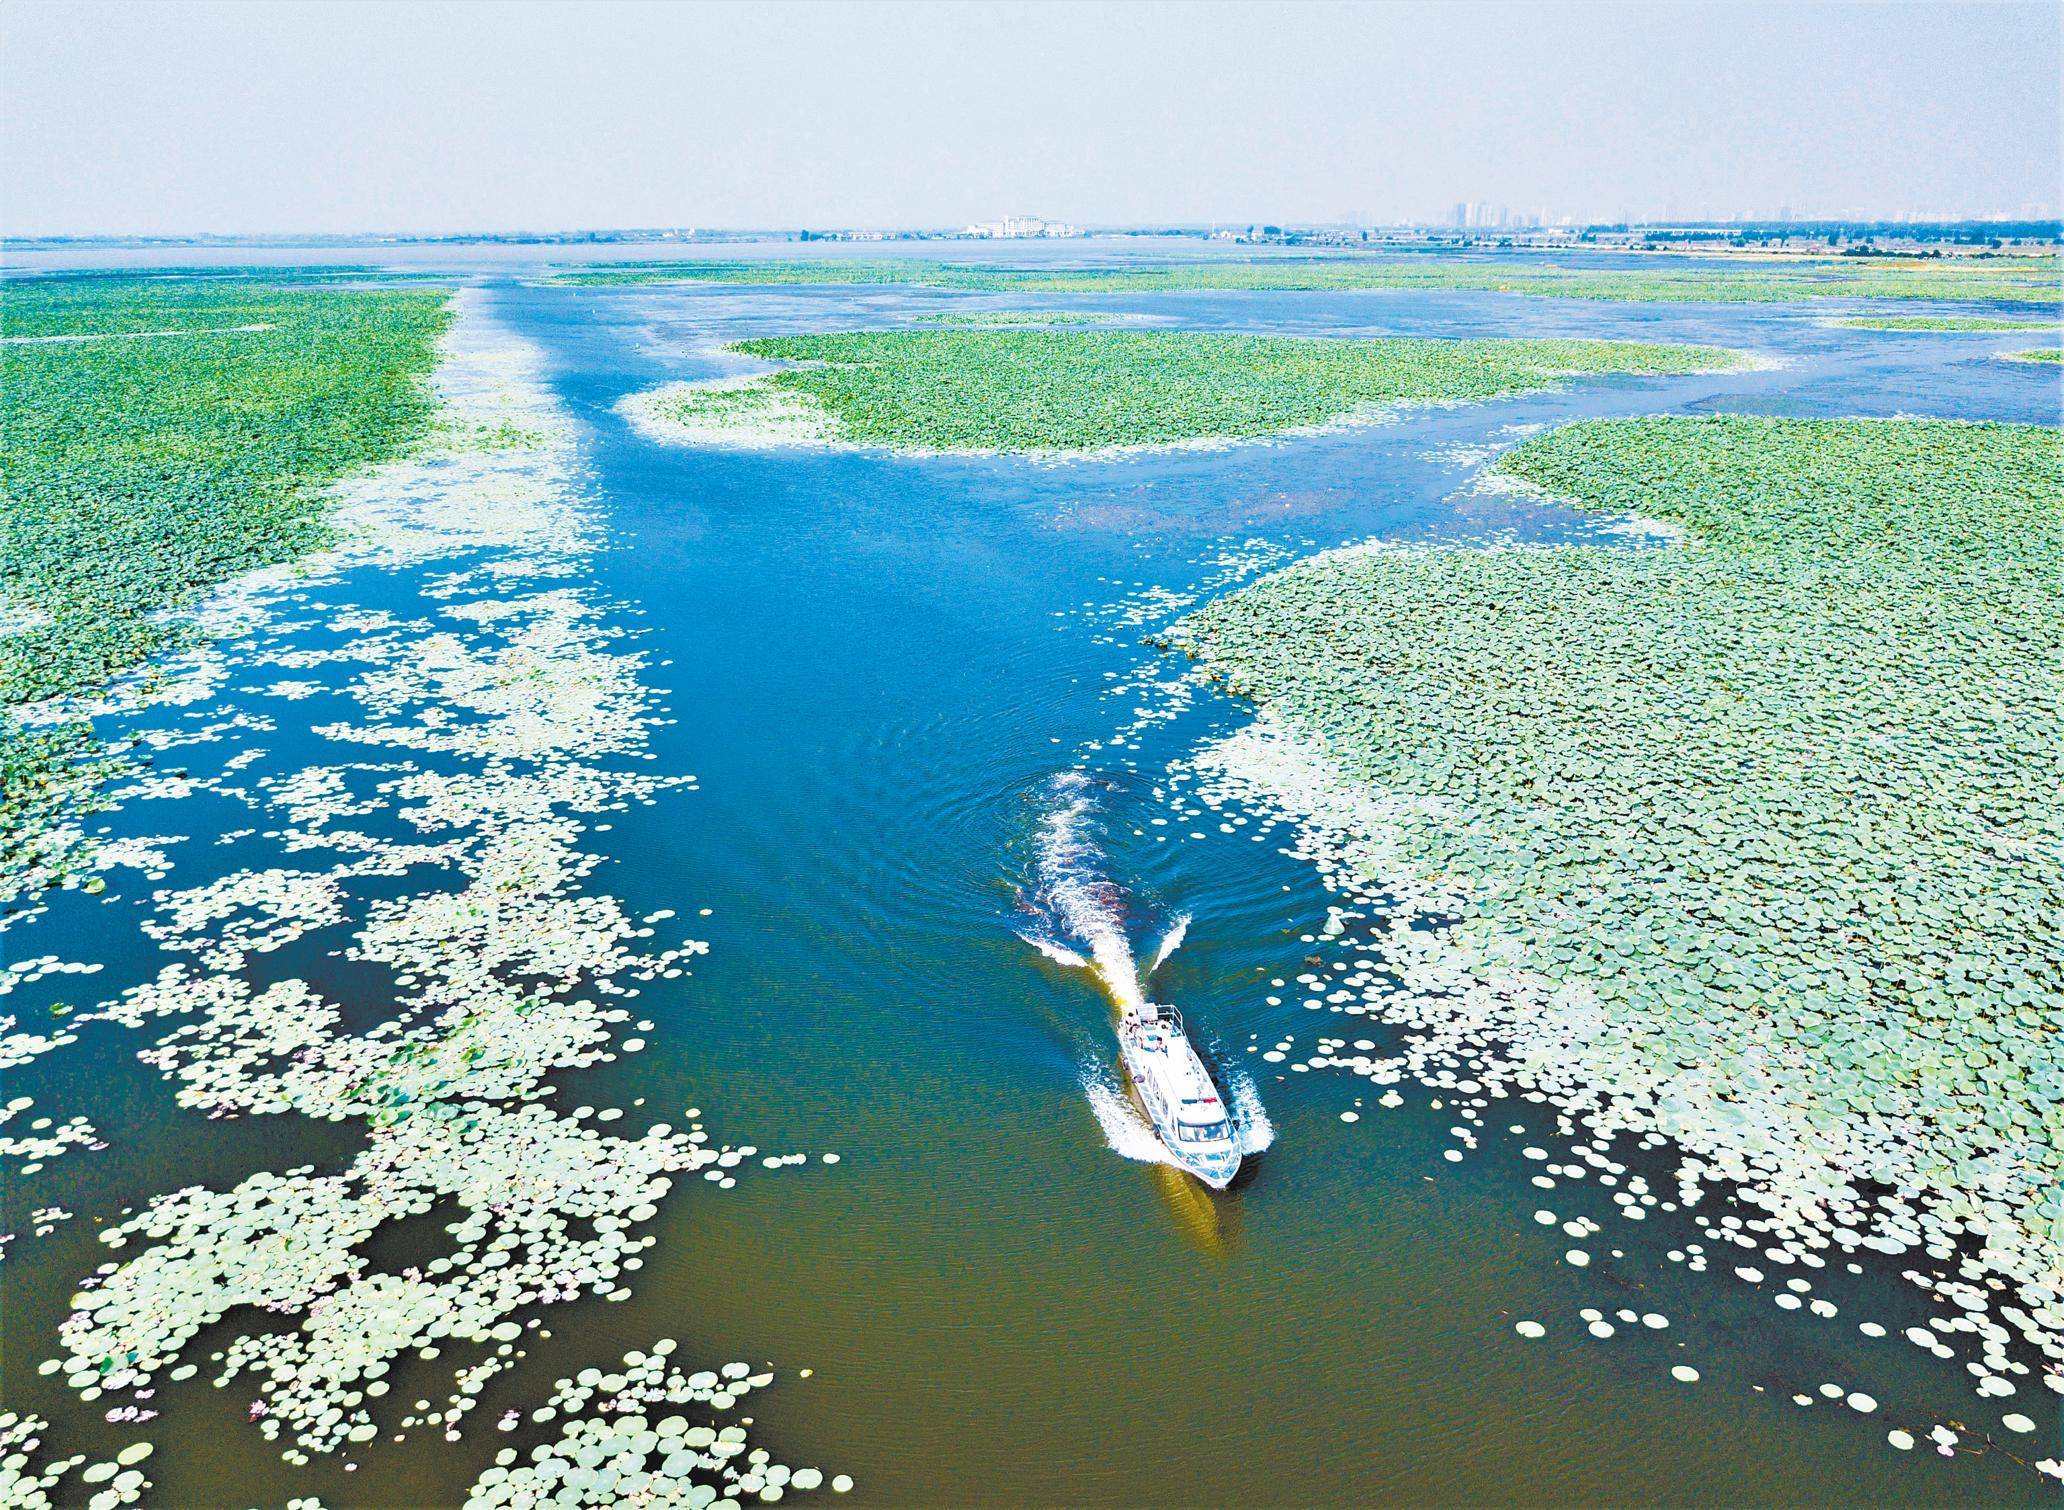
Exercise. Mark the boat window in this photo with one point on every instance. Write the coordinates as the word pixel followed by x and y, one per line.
pixel 1204 1132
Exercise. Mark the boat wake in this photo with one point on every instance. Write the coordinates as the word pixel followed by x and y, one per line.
pixel 1170 942
pixel 1080 922
pixel 1130 1135
pixel 1077 899
pixel 1126 1132
pixel 1060 954
pixel 1249 1115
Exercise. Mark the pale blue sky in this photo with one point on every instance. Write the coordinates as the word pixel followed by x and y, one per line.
pixel 308 116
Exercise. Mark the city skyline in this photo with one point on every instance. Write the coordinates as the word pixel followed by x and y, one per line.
pixel 1480 216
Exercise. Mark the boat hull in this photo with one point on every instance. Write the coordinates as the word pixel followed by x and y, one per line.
pixel 1161 1065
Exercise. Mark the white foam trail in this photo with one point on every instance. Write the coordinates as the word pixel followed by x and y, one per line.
pixel 1090 908
pixel 1256 1131
pixel 1170 942
pixel 1087 904
pixel 1126 1132
pixel 1060 954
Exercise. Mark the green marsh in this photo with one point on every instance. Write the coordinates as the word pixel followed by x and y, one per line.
pixel 192 436
pixel 1047 390
pixel 1935 323
pixel 1786 798
pixel 2030 279
pixel 1015 317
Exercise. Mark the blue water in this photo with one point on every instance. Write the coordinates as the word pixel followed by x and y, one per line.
pixel 876 665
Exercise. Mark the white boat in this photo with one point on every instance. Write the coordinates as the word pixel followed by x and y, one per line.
pixel 1189 1114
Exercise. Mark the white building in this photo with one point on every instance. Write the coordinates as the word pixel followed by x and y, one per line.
pixel 1013 227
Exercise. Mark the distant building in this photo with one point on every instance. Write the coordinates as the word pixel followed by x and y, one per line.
pixel 1016 227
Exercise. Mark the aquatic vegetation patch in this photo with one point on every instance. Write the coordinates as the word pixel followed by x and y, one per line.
pixel 66 297
pixel 548 1207
pixel 500 983
pixel 797 272
pixel 1933 323
pixel 136 473
pixel 473 735
pixel 621 1444
pixel 50 778
pixel 1066 391
pixel 1450 1060
pixel 2017 279
pixel 742 411
pixel 42 1138
pixel 1025 317
pixel 1753 842
pixel 2038 354
pixel 27 1484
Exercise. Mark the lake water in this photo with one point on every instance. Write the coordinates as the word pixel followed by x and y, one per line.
pixel 876 668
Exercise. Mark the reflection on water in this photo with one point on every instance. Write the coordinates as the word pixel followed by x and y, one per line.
pixel 1208 1222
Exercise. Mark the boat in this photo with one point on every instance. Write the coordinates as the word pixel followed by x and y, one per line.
pixel 1181 1099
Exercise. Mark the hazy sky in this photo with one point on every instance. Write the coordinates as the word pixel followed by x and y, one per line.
pixel 301 115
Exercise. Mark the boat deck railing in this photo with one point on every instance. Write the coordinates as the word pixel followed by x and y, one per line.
pixel 1167 1016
